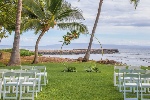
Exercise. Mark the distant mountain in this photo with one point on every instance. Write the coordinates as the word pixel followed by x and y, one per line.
pixel 96 46
pixel 79 46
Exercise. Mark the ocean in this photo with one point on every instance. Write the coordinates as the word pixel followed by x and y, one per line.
pixel 131 55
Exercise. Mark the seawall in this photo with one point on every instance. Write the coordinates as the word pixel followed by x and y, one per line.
pixel 77 51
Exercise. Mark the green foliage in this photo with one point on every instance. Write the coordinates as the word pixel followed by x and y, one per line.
pixel 92 68
pixel 23 52
pixel 49 13
pixel 135 2
pixel 7 16
pixel 70 36
pixel 6 50
pixel 70 69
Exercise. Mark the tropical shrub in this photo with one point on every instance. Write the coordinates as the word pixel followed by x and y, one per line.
pixel 92 69
pixel 70 69
pixel 23 52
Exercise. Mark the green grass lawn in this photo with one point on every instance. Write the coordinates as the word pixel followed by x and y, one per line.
pixel 80 85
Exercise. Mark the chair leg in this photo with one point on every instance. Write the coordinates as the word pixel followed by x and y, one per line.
pixel 124 92
pixel 17 92
pixel 39 87
pixel 0 90
pixel 33 93
pixel 115 80
pixel 4 92
pixel 20 92
pixel 44 80
pixel 120 86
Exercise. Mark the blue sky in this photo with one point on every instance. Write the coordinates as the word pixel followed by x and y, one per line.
pixel 119 24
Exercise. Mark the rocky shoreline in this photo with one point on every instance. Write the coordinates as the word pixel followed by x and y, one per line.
pixel 4 58
pixel 77 51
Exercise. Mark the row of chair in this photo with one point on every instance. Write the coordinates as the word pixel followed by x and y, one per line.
pixel 25 81
pixel 42 69
pixel 139 83
pixel 117 68
pixel 19 80
pixel 133 80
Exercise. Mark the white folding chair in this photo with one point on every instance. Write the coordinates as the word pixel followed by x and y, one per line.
pixel 18 71
pixel 42 73
pixel 2 71
pixel 146 85
pixel 29 85
pixel 139 71
pixel 38 80
pixel 10 83
pixel 121 77
pixel 116 73
pixel 130 84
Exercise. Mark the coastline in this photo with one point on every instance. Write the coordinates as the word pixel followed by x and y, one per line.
pixel 130 55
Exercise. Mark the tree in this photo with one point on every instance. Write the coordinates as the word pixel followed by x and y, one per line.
pixel 7 20
pixel 45 14
pixel 87 55
pixel 15 55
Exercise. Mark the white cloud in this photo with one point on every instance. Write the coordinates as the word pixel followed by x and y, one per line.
pixel 118 17
pixel 115 12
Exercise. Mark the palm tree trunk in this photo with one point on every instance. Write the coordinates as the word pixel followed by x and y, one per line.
pixel 15 54
pixel 87 55
pixel 35 61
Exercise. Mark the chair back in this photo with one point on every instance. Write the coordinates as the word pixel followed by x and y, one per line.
pixel 119 67
pixel 147 71
pixel 18 71
pixel 134 67
pixel 125 71
pixel 41 68
pixel 34 71
pixel 140 71
pixel 133 77
pixel 26 67
pixel 10 76
pixel 145 75
pixel 27 74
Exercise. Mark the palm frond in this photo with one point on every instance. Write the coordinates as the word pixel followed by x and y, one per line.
pixel 73 26
pixel 31 24
pixel 135 2
pixel 67 13
pixel 33 7
pixel 55 5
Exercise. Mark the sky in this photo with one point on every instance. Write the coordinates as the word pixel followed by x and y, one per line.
pixel 120 24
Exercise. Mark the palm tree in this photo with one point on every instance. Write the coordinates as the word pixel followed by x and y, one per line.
pixel 87 55
pixel 15 55
pixel 46 14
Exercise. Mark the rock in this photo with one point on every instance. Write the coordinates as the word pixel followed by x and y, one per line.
pixel 113 62
pixel 80 59
pixel 78 51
